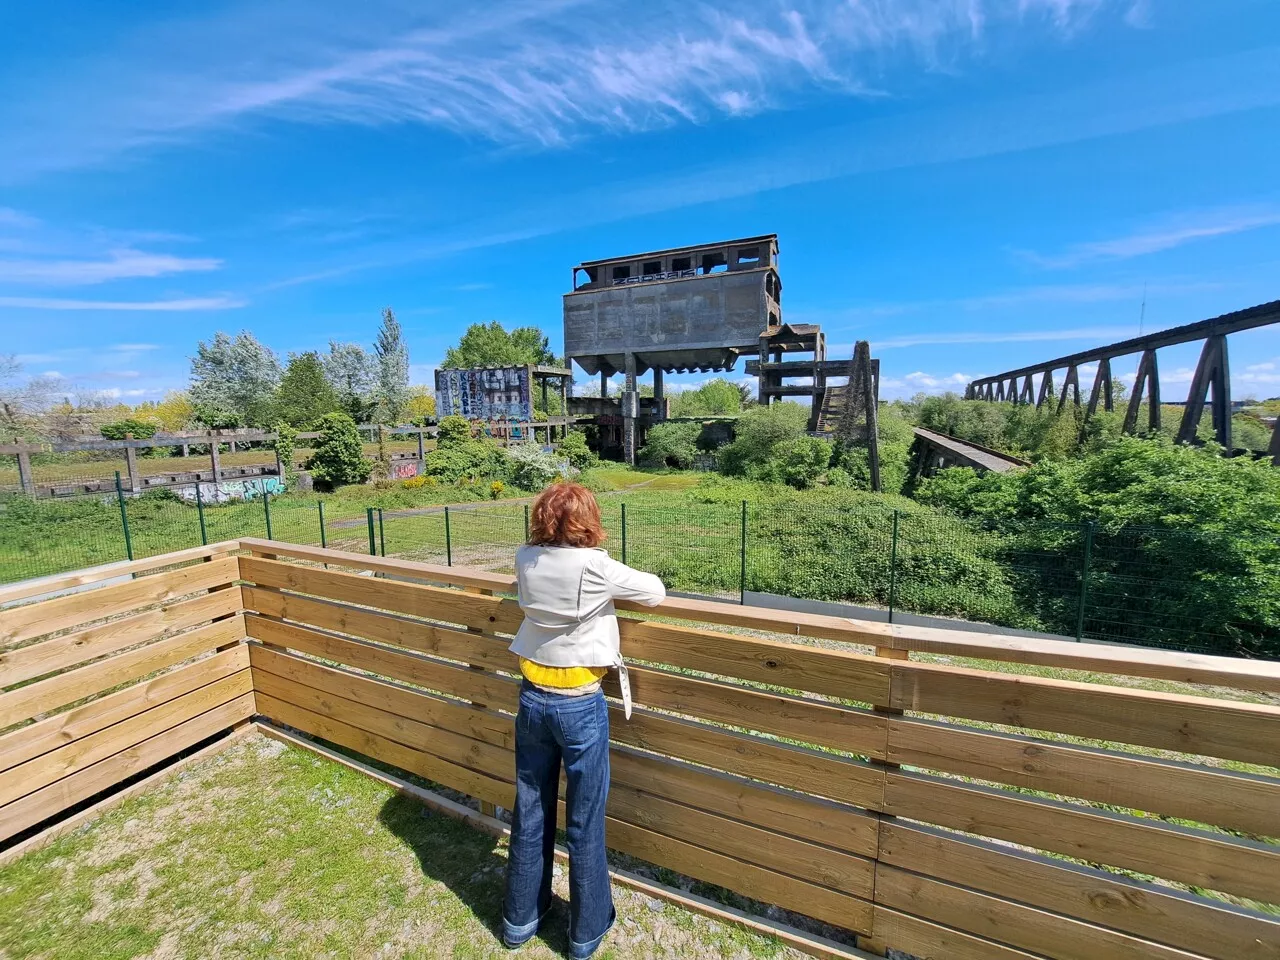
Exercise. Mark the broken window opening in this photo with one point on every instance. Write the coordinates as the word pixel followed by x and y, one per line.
pixel 749 256
pixel 623 272
pixel 680 264
pixel 713 263
pixel 651 267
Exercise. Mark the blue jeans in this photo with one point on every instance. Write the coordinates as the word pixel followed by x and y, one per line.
pixel 551 729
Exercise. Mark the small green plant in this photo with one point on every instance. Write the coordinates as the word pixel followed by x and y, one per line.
pixel 495 489
pixel 574 448
pixel 339 454
pixel 454 432
pixel 285 443
pixel 416 483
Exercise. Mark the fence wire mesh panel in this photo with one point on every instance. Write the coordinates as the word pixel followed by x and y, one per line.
pixel 487 536
pixel 43 537
pixel 694 547
pixel 414 535
pixel 234 519
pixel 161 522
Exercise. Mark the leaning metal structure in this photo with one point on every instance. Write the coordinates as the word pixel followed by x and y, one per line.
pixel 1212 376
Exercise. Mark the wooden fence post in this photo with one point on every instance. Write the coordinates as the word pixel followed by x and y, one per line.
pixel 131 459
pixel 213 455
pixel 25 477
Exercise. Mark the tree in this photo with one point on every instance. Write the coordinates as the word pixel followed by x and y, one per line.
pixel 353 373
pixel 339 453
pixel 304 394
pixel 22 400
pixel 393 369
pixel 715 398
pixel 239 375
pixel 490 345
pixel 797 462
pixel 421 405
pixel 129 427
pixel 174 412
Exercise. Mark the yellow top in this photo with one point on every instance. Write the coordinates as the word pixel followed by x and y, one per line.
pixel 560 678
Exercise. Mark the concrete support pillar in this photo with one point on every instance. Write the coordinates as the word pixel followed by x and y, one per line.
pixel 658 396
pixel 546 406
pixel 630 409
pixel 604 385
pixel 233 446
pixel 186 449
pixel 564 405
pixel 1101 389
pixel 131 459
pixel 422 450
pixel 25 476
pixel 213 455
pixel 1274 449
pixel 1070 382
pixel 1211 373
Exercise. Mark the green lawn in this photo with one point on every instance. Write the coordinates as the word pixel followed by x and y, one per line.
pixel 268 851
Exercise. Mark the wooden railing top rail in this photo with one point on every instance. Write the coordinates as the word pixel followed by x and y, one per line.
pixel 1253 675
pixel 109 571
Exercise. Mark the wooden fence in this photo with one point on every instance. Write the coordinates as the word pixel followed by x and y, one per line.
pixel 930 807
pixel 95 686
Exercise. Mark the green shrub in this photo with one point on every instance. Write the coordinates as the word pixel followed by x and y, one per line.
pixel 139 429
pixel 285 443
pixel 759 430
pixel 671 445
pixel 797 462
pixel 470 459
pixel 454 432
pixel 339 453
pixel 574 447
pixel 533 469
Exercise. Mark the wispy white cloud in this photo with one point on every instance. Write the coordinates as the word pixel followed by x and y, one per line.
pixel 1260 367
pixel 134 347
pixel 141 306
pixel 116 265
pixel 1174 232
pixel 14 218
pixel 527 72
pixel 919 380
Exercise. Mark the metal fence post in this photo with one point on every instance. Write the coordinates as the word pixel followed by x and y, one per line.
pixel 526 523
pixel 124 518
pixel 382 533
pixel 373 544
pixel 448 539
pixel 1086 561
pixel 893 568
pixel 742 571
pixel 204 533
pixel 266 509
pixel 324 543
pixel 624 533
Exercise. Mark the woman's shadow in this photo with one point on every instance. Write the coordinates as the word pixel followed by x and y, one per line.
pixel 467 862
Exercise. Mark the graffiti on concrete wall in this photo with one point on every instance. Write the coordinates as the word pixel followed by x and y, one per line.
pixel 404 469
pixel 248 489
pixel 486 393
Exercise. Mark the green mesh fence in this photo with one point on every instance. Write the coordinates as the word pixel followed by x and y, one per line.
pixel 1152 586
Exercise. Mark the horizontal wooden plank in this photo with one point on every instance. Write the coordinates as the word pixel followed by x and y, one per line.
pixel 383 627
pixel 764 848
pixel 418 600
pixel 49 616
pixel 1210 860
pixel 434 572
pixel 808 721
pixel 38 738
pixel 834 673
pixel 932 941
pixel 41 771
pixel 448 678
pixel 744 878
pixel 109 571
pixel 1262 676
pixel 808 771
pixel 379 748
pixel 1232 730
pixel 497 729
pixel 45 696
pixel 53 799
pixel 782 811
pixel 455 747
pixel 1155 912
pixel 1238 673
pixel 1208 795
pixel 1011 923
pixel 59 653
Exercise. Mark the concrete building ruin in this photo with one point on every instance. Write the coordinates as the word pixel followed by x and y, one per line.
pixel 690 309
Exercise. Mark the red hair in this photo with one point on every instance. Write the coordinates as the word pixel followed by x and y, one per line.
pixel 566 515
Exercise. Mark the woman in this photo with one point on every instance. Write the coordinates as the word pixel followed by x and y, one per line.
pixel 567 642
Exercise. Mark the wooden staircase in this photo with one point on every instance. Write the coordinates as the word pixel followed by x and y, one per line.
pixel 831 410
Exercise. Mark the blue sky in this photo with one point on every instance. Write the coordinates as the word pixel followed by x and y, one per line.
pixel 969 184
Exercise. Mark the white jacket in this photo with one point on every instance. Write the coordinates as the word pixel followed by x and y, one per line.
pixel 567 596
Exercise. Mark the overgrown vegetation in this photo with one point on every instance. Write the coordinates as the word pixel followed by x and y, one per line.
pixel 339 453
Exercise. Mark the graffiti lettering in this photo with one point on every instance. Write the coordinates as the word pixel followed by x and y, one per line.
pixel 404 469
pixel 229 490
